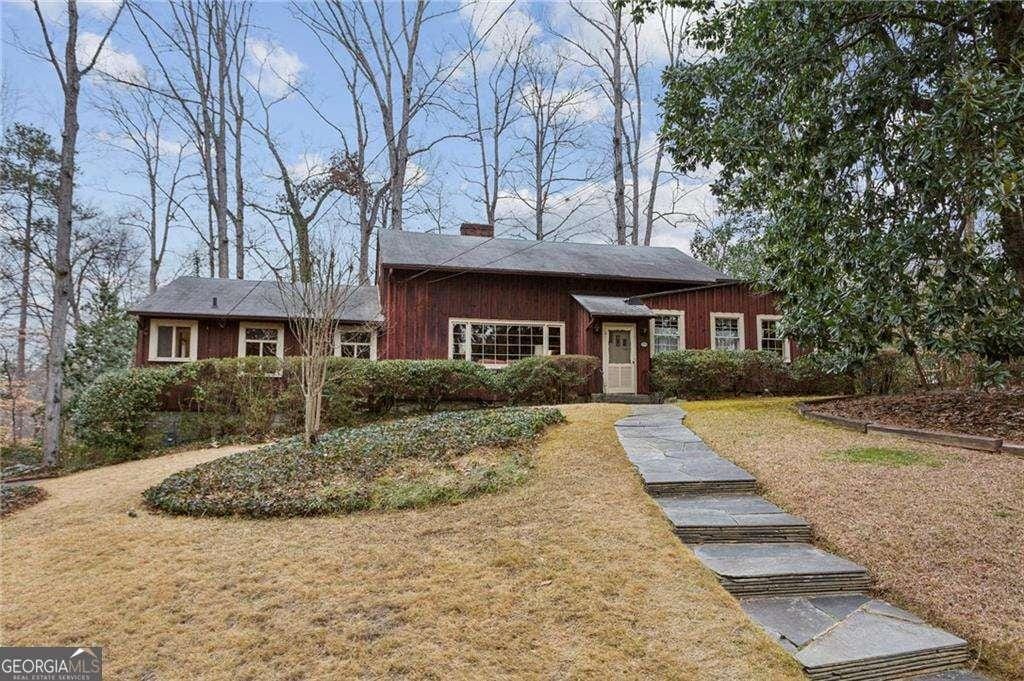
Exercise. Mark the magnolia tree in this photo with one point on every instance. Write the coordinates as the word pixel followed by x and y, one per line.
pixel 876 149
pixel 313 306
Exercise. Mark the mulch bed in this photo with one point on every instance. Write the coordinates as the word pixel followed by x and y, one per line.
pixel 999 413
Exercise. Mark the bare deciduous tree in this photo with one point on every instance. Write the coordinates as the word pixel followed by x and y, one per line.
pixel 488 105
pixel 313 308
pixel 141 123
pixel 70 74
pixel 555 143
pixel 608 26
pixel 197 51
pixel 383 42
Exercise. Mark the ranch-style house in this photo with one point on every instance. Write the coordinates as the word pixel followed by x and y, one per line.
pixel 488 300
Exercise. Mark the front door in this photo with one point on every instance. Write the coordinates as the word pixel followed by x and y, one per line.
pixel 619 358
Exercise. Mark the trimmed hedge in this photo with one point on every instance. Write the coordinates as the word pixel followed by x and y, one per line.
pixel 547 380
pixel 242 397
pixel 398 464
pixel 710 373
pixel 111 416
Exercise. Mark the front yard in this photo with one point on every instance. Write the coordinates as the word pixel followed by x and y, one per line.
pixel 940 529
pixel 573 574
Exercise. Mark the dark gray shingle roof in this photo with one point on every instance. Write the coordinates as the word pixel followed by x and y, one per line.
pixel 243 299
pixel 473 253
pixel 611 306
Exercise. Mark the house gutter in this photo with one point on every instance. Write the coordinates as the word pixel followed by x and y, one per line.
pixel 636 300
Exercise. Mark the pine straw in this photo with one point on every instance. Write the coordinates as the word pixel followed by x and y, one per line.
pixel 574 574
pixel 944 538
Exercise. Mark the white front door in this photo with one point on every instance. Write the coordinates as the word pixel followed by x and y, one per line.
pixel 619 358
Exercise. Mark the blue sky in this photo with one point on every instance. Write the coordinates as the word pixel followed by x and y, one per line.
pixel 106 173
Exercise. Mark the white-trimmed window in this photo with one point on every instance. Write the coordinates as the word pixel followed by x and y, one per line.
pixel 726 331
pixel 261 339
pixel 495 343
pixel 668 330
pixel 173 340
pixel 769 336
pixel 355 341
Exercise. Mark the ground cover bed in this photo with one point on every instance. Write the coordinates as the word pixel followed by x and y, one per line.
pixel 995 413
pixel 574 574
pixel 443 457
pixel 16 497
pixel 940 529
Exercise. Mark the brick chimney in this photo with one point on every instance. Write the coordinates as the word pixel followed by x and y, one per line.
pixel 476 229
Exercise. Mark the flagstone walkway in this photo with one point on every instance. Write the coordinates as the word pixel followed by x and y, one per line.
pixel 811 601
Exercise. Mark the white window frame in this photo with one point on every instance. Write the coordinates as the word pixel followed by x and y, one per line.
pixel 466 351
pixel 682 327
pixel 242 326
pixel 355 327
pixel 786 353
pixel 739 326
pixel 193 344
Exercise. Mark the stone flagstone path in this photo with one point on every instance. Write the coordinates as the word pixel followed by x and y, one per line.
pixel 811 601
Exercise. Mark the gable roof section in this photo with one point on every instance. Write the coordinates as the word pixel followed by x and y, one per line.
pixel 243 299
pixel 610 306
pixel 481 254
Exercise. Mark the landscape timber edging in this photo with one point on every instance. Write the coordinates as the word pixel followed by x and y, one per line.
pixel 1013 448
pixel 945 438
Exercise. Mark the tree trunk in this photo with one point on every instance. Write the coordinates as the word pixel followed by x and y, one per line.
pixel 655 179
pixel 220 151
pixel 620 188
pixel 239 193
pixel 538 181
pixel 154 260
pixel 26 279
pixel 1007 20
pixel 54 400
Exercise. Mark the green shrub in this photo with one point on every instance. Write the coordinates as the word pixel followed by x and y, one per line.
pixel 887 373
pixel 238 396
pixel 396 464
pixel 426 383
pixel 547 380
pixel 110 416
pixel 710 373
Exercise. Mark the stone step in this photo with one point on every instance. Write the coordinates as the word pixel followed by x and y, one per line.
pixel 780 569
pixel 855 637
pixel 704 518
pixel 621 398
pixel 810 600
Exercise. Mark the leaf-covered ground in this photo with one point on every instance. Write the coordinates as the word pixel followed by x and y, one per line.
pixel 941 535
pixel 444 457
pixel 573 575
pixel 15 497
pixel 997 413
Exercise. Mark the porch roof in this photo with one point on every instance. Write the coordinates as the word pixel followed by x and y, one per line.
pixel 612 306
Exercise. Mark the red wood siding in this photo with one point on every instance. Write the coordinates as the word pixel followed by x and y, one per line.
pixel 217 338
pixel 699 304
pixel 418 309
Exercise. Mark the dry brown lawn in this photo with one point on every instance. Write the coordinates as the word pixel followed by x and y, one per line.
pixel 944 538
pixel 573 575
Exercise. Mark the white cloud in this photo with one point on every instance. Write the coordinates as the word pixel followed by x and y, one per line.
pixel 112 62
pixel 273 70
pixel 55 12
pixel 415 175
pixel 307 165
